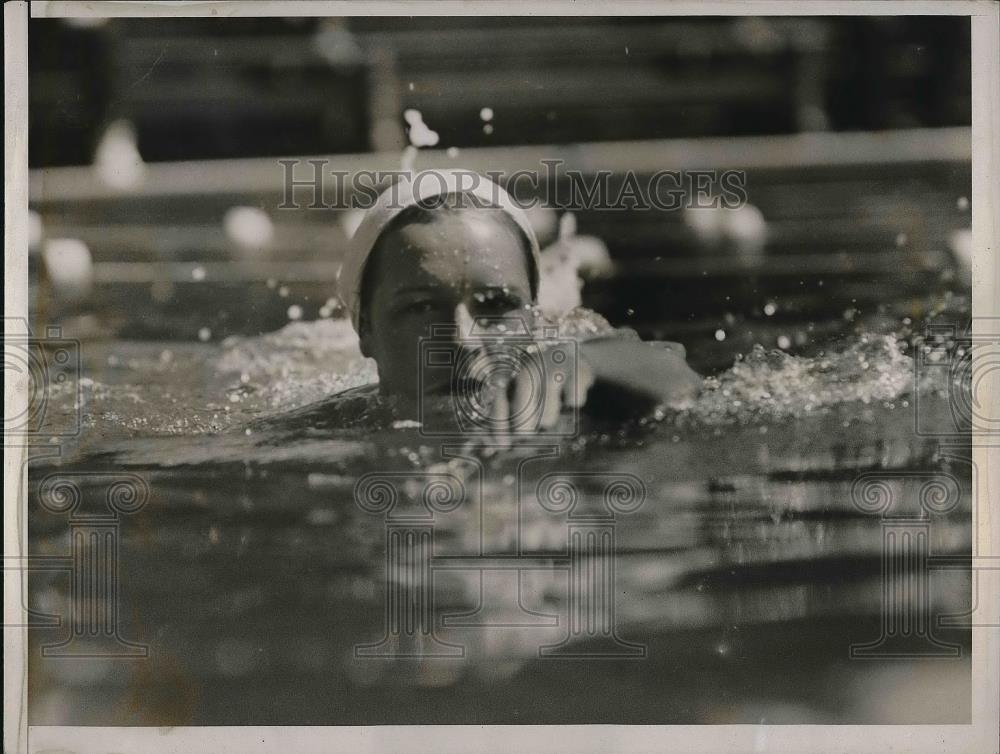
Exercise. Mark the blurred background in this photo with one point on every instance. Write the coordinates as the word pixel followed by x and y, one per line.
pixel 155 185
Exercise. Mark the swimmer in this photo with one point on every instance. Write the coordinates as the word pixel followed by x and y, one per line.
pixel 444 271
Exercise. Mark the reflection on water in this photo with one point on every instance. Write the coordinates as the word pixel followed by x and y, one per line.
pixel 745 571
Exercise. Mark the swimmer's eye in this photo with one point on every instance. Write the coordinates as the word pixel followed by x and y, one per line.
pixel 418 307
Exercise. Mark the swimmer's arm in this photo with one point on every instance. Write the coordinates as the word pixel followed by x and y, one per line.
pixel 656 372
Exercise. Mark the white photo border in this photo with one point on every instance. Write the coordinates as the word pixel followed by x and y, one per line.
pixel 982 735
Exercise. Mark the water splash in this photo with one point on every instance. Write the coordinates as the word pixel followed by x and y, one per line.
pixel 144 390
pixel 420 135
pixel 773 386
pixel 298 364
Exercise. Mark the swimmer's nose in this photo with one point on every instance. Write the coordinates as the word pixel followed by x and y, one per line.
pixel 464 322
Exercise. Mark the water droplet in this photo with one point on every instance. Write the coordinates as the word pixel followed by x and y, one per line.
pixel 248 227
pixel 419 134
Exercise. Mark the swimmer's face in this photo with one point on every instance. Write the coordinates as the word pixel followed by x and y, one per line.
pixel 473 262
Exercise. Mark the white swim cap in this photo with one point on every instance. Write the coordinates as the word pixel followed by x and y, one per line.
pixel 418 188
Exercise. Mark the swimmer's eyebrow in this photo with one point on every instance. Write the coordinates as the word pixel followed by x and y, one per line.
pixel 499 294
pixel 416 291
pixel 405 297
pixel 497 298
pixel 495 293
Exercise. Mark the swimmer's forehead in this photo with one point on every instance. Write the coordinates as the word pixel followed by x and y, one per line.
pixel 445 248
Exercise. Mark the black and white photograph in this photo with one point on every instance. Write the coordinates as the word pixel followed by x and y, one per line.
pixel 372 369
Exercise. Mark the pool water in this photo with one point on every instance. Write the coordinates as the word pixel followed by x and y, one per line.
pixel 741 578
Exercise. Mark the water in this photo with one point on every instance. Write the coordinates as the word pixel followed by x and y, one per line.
pixel 747 572
pixel 217 389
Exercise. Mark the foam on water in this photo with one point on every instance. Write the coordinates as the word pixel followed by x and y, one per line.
pixel 772 386
pixel 143 389
pixel 205 389
pixel 298 364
